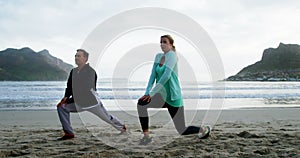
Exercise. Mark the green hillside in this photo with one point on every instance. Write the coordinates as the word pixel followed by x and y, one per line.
pixel 27 65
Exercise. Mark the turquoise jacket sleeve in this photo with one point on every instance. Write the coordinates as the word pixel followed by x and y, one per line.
pixel 170 62
pixel 153 74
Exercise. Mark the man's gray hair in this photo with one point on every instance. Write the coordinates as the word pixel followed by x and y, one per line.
pixel 85 53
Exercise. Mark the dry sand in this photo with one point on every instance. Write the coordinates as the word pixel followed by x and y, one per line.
pixel 267 132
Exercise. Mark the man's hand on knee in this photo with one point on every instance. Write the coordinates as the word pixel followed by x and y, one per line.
pixel 63 101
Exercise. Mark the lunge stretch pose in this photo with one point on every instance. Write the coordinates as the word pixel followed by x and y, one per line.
pixel 166 93
pixel 80 96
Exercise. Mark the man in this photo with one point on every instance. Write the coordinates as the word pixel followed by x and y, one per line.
pixel 80 96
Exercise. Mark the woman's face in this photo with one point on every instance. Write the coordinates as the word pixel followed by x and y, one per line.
pixel 165 44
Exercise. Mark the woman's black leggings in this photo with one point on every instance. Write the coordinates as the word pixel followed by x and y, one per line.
pixel 177 114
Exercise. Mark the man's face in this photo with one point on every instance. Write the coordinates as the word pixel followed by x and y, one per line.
pixel 79 58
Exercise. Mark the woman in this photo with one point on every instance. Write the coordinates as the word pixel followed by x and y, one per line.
pixel 166 93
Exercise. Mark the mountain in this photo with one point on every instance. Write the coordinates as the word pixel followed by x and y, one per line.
pixel 277 64
pixel 27 65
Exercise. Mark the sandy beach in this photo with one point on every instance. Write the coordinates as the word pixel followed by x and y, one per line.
pixel 260 132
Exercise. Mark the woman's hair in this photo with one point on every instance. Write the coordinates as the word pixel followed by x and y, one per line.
pixel 171 40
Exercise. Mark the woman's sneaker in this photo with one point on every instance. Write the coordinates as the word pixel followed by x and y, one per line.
pixel 145 140
pixel 204 134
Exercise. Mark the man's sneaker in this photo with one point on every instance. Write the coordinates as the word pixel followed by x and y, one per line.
pixel 145 140
pixel 67 136
pixel 204 134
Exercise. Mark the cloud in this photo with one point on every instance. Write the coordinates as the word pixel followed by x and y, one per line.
pixel 241 30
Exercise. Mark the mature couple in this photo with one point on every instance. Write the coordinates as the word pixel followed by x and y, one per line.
pixel 166 93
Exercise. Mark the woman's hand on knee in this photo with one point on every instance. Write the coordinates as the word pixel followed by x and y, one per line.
pixel 146 98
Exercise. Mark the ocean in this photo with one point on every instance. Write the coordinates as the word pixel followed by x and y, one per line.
pixel 119 95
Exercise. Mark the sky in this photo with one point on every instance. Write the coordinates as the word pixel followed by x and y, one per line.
pixel 240 29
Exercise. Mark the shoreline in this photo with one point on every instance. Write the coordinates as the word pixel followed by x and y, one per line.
pixel 241 114
pixel 234 108
pixel 186 109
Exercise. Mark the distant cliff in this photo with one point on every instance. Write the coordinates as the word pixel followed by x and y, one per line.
pixel 277 64
pixel 27 65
